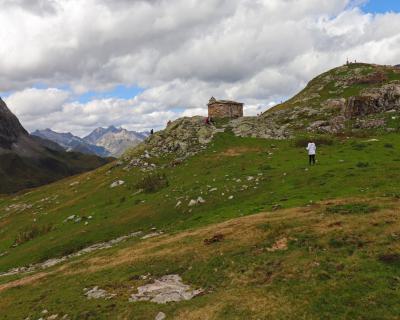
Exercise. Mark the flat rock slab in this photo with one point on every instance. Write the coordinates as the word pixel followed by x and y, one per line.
pixel 160 316
pixel 166 289
pixel 97 293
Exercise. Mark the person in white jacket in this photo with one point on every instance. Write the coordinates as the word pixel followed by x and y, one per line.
pixel 312 150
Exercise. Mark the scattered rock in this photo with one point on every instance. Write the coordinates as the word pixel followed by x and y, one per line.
pixel 2 254
pixel 216 238
pixel 276 207
pixel 52 262
pixel 97 293
pixel 117 183
pixel 166 289
pixel 200 200
pixel 160 316
pixel 193 202
pixel 152 235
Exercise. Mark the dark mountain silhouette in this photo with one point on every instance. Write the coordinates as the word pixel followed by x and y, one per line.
pixel 27 161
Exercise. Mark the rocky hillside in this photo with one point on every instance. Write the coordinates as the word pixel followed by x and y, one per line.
pixel 346 99
pixel 180 140
pixel 27 161
pixel 209 222
pixel 11 129
pixel 233 232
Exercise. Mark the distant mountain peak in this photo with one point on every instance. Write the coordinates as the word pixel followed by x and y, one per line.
pixel 115 140
pixel 71 143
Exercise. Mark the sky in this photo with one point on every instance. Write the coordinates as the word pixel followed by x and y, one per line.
pixel 139 63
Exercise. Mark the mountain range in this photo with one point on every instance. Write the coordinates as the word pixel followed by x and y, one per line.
pixel 103 142
pixel 28 161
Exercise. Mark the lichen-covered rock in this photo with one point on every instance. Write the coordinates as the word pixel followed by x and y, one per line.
pixel 166 289
pixel 183 137
pixel 375 100
pixel 260 127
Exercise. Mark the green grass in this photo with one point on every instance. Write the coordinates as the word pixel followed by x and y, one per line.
pixel 260 175
pixel 352 208
pixel 284 179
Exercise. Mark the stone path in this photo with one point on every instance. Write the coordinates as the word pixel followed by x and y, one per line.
pixel 52 262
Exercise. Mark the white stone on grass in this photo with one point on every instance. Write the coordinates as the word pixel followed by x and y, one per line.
pixel 117 183
pixel 97 293
pixel 166 289
pixel 160 316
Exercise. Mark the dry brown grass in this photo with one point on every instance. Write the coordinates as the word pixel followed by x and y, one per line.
pixel 237 151
pixel 243 231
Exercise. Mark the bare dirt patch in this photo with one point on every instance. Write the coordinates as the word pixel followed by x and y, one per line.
pixel 234 152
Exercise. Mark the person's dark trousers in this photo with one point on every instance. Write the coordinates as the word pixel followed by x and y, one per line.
pixel 311 159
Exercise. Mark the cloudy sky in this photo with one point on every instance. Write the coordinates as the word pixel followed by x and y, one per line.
pixel 73 65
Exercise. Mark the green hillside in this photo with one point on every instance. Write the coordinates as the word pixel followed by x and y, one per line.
pixel 341 82
pixel 247 220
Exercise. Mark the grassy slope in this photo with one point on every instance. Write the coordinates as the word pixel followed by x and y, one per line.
pixel 19 173
pixel 282 280
pixel 332 268
pixel 323 86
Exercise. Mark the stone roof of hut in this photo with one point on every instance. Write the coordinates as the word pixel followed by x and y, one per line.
pixel 213 100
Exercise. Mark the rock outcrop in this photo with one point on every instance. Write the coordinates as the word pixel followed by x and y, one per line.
pixel 260 127
pixel 375 100
pixel 167 289
pixel 27 161
pixel 183 137
pixel 10 127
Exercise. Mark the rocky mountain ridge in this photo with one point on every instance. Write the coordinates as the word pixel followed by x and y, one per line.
pixel 10 127
pixel 71 143
pixel 27 161
pixel 104 142
pixel 115 140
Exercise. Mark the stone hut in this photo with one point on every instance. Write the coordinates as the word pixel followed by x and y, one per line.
pixel 224 109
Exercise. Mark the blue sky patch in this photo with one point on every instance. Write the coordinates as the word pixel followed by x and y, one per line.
pixel 381 6
pixel 119 92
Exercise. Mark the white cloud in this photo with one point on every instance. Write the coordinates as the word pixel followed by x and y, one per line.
pixel 32 102
pixel 182 52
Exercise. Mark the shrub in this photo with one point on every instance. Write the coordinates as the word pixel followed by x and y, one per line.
pixel 153 183
pixel 32 232
pixel 362 164
pixel 359 146
pixel 265 167
pixel 352 208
